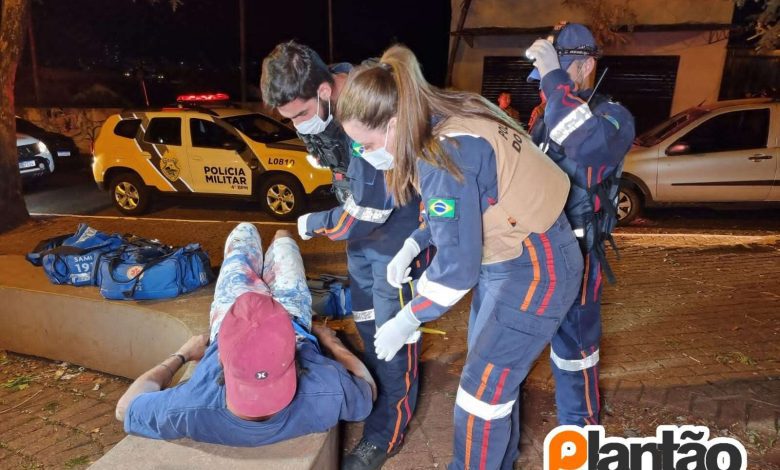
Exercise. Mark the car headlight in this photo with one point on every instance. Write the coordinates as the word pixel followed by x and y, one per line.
pixel 42 147
pixel 313 162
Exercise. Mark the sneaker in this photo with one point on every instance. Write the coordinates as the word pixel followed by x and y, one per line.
pixel 366 456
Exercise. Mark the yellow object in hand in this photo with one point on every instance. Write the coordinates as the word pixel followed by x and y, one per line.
pixel 431 331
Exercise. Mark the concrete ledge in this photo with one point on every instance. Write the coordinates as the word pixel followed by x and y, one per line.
pixel 316 451
pixel 77 325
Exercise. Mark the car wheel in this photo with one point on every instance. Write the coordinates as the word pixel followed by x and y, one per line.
pixel 129 194
pixel 629 204
pixel 282 197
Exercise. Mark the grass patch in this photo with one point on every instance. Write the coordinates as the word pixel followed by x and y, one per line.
pixel 51 407
pixel 19 383
pixel 77 462
pixel 735 357
pixel 30 465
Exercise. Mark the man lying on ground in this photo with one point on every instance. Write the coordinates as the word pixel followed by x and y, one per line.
pixel 261 377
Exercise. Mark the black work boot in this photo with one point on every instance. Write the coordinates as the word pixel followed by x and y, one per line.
pixel 366 456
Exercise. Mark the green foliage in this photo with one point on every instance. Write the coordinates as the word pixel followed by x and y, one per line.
pixel 51 407
pixel 766 25
pixel 604 17
pixel 77 462
pixel 735 357
pixel 19 383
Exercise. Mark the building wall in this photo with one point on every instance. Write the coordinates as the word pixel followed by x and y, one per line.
pixel 540 13
pixel 80 124
pixel 701 56
pixel 698 76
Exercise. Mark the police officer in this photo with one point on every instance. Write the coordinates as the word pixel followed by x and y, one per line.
pixel 494 210
pixel 588 136
pixel 298 83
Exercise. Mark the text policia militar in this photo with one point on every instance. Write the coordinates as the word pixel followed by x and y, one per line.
pixel 672 448
pixel 229 175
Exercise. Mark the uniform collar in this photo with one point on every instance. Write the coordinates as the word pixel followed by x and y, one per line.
pixel 584 94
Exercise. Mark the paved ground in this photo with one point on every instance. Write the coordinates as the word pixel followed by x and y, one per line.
pixel 55 415
pixel 691 337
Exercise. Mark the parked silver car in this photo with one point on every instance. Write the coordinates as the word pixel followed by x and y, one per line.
pixel 724 152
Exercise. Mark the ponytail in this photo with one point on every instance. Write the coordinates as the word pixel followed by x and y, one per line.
pixel 413 134
pixel 395 86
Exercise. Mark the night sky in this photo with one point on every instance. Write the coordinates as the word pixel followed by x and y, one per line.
pixel 116 35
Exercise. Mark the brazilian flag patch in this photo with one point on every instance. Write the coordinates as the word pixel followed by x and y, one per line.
pixel 357 150
pixel 441 207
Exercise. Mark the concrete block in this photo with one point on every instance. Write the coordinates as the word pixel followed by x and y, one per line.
pixel 315 451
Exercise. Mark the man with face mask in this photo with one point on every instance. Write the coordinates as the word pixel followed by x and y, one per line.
pixel 297 82
pixel 588 136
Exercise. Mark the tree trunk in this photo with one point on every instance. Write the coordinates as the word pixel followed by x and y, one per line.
pixel 13 22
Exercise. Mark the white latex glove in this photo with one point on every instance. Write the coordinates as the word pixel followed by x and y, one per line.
pixel 399 330
pixel 302 227
pixel 544 55
pixel 398 268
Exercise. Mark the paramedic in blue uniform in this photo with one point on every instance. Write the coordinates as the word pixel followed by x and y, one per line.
pixel 494 211
pixel 588 135
pixel 261 376
pixel 298 83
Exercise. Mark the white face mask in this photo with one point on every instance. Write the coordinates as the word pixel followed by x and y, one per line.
pixel 380 159
pixel 315 125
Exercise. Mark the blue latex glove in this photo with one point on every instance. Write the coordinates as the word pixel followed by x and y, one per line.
pixel 399 330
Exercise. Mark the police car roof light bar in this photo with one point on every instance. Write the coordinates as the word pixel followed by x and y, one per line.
pixel 203 97
pixel 188 107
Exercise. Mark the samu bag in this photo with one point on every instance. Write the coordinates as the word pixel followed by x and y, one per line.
pixel 136 273
pixel 74 259
pixel 330 296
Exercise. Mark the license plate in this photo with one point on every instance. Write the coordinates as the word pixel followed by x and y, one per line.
pixel 63 153
pixel 24 165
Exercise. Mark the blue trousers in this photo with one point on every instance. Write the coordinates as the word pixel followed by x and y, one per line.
pixel 574 355
pixel 374 301
pixel 517 307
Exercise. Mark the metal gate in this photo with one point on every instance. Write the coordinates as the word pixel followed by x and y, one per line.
pixel 509 74
pixel 644 84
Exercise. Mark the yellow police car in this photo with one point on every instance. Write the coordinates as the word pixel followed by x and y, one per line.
pixel 213 151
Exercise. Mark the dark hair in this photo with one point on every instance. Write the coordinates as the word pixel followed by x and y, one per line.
pixel 292 71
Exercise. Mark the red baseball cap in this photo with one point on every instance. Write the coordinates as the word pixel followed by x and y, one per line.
pixel 256 344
